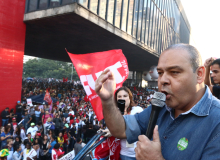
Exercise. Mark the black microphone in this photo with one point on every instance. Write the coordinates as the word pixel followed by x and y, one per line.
pixel 158 101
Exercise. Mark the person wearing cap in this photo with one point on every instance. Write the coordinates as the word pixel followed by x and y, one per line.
pixel 4 153
pixel 18 111
pixel 14 123
pixel 5 116
pixel 32 129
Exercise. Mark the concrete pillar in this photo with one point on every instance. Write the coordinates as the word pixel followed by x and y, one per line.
pixel 12 40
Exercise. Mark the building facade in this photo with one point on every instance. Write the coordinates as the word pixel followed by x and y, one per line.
pixel 44 28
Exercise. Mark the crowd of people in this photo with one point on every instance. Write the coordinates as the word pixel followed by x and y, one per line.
pixel 188 124
pixel 42 131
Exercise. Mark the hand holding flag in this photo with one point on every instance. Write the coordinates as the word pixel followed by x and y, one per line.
pixel 90 66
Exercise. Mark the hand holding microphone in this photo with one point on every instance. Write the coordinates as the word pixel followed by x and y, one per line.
pixel 147 149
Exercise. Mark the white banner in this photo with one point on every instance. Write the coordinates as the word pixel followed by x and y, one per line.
pixel 29 101
pixel 68 156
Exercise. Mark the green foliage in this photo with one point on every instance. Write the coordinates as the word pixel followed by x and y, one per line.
pixel 45 68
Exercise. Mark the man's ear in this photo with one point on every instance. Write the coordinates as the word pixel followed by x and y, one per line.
pixel 200 74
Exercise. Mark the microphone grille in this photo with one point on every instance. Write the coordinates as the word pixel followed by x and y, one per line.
pixel 158 99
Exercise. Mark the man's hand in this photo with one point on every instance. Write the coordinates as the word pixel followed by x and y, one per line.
pixel 105 85
pixel 209 61
pixel 108 133
pixel 147 149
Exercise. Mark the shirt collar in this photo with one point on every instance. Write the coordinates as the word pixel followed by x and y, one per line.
pixel 201 108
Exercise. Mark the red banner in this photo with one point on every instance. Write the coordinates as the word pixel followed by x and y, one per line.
pixel 47 98
pixel 90 66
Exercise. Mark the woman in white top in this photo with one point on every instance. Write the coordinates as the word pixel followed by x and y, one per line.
pixel 127 150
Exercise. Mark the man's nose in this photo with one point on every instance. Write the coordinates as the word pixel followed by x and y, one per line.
pixel 164 79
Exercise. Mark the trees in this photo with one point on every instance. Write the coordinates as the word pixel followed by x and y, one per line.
pixel 45 68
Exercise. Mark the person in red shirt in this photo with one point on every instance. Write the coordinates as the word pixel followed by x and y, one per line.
pixel 14 123
pixel 45 117
pixel 66 143
pixel 71 119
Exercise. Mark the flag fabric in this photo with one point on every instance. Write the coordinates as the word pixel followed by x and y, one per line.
pixel 90 66
pixel 65 79
pixel 47 97
pixel 109 148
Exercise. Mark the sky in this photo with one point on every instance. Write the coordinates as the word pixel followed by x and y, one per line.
pixel 204 20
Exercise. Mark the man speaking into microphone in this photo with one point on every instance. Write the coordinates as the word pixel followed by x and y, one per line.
pixel 189 124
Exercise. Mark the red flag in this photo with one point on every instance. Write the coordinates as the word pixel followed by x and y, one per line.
pixel 86 99
pixel 110 147
pixel 47 98
pixel 90 66
pixel 65 79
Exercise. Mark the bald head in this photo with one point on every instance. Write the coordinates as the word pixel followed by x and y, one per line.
pixel 195 57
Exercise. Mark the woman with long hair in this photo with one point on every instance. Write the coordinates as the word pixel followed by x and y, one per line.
pixel 50 134
pixel 127 150
pixel 44 148
pixel 5 135
pixel 60 140
pixel 17 132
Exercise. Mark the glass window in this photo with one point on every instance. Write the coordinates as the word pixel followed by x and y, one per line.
pixel 43 4
pixel 124 17
pixel 163 34
pixel 150 24
pixel 110 11
pixel 177 19
pixel 144 20
pixel 153 26
pixel 118 13
pixel 83 2
pixel 160 33
pixel 32 5
pixel 130 16
pixel 93 5
pixel 148 11
pixel 140 18
pixel 54 3
pixel 67 2
pixel 102 9
pixel 130 75
pixel 135 17
pixel 156 30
